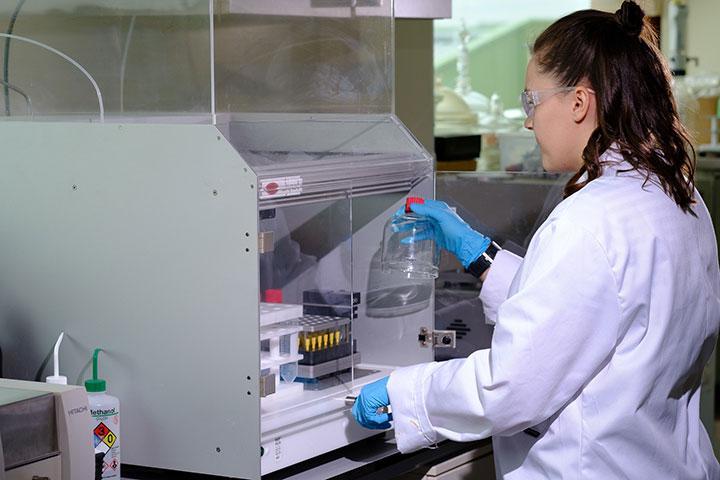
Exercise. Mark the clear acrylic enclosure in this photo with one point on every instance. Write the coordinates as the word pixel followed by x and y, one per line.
pixel 186 60
pixel 297 98
pixel 300 56
pixel 509 207
pixel 145 58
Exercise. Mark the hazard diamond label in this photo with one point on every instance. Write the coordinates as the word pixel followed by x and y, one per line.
pixel 109 439
pixel 104 438
pixel 101 430
pixel 102 447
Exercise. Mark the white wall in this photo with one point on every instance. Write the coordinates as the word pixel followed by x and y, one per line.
pixel 703 39
pixel 703 17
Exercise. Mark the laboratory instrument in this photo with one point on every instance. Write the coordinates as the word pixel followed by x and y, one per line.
pixel 44 431
pixel 218 230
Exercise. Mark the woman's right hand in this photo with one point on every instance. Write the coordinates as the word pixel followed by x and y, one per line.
pixel 451 233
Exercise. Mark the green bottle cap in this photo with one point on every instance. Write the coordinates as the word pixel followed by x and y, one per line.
pixel 95 385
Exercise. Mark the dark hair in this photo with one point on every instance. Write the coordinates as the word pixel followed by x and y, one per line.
pixel 618 55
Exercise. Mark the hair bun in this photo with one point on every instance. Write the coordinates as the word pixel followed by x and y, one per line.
pixel 631 17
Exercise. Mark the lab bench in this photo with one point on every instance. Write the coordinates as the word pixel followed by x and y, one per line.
pixel 374 458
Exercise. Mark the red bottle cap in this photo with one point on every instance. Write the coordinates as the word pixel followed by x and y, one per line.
pixel 273 295
pixel 411 200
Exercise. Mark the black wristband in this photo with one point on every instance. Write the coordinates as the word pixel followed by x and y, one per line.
pixel 484 261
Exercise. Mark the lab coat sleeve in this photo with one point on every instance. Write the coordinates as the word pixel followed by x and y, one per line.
pixel 497 284
pixel 551 338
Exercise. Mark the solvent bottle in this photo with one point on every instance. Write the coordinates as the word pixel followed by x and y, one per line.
pixel 105 413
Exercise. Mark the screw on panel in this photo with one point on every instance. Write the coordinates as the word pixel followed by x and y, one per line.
pixel 249 377
pixel 219 137
pixel 247 249
pixel 249 393
pixel 218 449
pixel 252 186
pixel 74 187
pixel 215 193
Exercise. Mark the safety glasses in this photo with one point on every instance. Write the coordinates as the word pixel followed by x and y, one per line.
pixel 532 98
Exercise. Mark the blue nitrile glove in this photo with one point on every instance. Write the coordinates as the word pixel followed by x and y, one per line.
pixel 372 397
pixel 451 232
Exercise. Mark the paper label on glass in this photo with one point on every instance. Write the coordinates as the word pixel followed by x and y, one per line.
pixel 281 187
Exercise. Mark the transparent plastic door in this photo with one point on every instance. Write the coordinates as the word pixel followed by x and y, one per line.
pixel 307 309
pixel 509 207
pixel 395 307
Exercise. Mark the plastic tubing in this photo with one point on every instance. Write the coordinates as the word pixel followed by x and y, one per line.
pixel 70 60
pixel 28 101
pixel 123 65
pixel 6 58
pixel 213 112
pixel 56 355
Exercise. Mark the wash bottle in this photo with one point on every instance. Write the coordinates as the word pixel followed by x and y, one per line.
pixel 105 412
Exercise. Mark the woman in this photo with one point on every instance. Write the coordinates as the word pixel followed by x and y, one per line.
pixel 604 328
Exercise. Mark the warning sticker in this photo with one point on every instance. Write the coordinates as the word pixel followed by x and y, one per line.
pixel 107 446
pixel 101 430
pixel 109 439
pixel 102 447
pixel 104 438
pixel 281 187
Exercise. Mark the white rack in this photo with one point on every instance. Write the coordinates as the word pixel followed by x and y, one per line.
pixel 272 313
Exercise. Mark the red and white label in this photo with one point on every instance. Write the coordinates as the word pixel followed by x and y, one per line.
pixel 281 187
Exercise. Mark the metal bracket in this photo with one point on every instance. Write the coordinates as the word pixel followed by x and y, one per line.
pixel 266 242
pixel 267 385
pixel 436 338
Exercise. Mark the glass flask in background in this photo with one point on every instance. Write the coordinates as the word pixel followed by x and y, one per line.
pixel 408 246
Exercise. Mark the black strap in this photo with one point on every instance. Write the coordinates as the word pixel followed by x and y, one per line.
pixel 484 261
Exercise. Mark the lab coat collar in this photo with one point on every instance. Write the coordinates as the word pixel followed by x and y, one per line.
pixel 614 164
pixel 612 160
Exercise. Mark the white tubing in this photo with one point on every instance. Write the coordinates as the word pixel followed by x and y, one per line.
pixel 56 355
pixel 123 65
pixel 61 54
pixel 17 90
pixel 213 114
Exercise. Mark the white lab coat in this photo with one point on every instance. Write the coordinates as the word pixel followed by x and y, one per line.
pixel 602 332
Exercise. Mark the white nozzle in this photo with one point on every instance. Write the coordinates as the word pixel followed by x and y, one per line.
pixel 56 378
